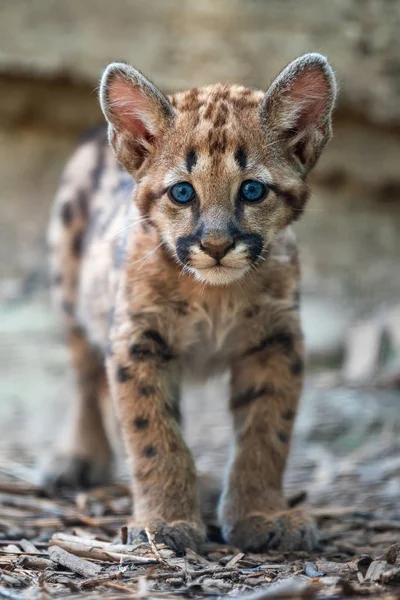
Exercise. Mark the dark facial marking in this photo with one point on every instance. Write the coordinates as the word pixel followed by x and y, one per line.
pixel 282 339
pixel 295 201
pixel 77 244
pixel 297 366
pixel 141 422
pixel 67 214
pixel 149 451
pixel 123 374
pixel 191 160
pixel 254 244
pixel 217 140
pixel 241 158
pixel 283 437
pixel 243 400
pixel 150 197
pixel 183 245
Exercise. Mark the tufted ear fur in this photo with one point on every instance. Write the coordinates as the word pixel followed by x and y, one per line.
pixel 297 108
pixel 138 114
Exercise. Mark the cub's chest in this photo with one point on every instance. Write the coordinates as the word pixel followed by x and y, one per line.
pixel 216 333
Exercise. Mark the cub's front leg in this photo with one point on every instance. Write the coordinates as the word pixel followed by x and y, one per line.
pixel 265 388
pixel 143 370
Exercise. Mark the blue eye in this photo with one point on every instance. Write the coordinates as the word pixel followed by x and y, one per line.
pixel 252 191
pixel 182 193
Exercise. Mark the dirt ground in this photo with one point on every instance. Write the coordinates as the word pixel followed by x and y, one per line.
pixel 345 464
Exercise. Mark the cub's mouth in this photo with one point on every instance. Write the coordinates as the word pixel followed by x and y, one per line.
pixel 219 274
pixel 219 267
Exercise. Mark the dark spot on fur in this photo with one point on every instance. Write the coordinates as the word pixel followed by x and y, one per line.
pixel 191 160
pixel 83 203
pixel 247 397
pixel 139 352
pixel 77 244
pixel 67 214
pixel 252 312
pixel 141 422
pixel 282 339
pixel 297 366
pixel 149 451
pixel 289 415
pixel 241 158
pixel 283 437
pixel 217 141
pixel 123 374
pixel 68 307
pixel 190 101
pixel 146 390
pixel 221 115
pixel 209 110
pixel 159 349
pixel 181 307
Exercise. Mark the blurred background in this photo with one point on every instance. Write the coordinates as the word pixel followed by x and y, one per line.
pixel 51 56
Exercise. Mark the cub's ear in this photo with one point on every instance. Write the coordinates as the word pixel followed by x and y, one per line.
pixel 138 114
pixel 297 108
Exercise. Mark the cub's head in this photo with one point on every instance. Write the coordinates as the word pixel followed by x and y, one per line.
pixel 220 170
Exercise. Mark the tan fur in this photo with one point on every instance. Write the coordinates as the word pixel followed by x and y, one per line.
pixel 142 286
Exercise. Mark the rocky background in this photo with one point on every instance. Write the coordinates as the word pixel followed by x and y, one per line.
pixel 51 57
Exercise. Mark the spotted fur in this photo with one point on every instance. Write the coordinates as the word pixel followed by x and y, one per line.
pixel 153 290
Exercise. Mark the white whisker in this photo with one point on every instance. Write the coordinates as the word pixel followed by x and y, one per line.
pixel 146 256
pixel 136 222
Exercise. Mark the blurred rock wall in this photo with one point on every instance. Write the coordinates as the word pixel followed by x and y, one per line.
pixel 52 53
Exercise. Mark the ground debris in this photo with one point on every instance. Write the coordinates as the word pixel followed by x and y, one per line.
pixel 52 547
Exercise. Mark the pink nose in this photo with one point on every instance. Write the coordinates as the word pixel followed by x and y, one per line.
pixel 216 250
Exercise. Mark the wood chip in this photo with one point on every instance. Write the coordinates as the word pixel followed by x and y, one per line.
pixel 234 560
pixel 74 563
pixel 375 570
pixel 27 546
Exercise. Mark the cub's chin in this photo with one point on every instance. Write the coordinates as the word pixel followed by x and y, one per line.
pixel 219 275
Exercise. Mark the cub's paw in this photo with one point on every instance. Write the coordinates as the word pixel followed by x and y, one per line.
pixel 288 530
pixel 69 471
pixel 177 535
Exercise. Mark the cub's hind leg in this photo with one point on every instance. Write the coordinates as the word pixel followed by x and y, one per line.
pixel 84 458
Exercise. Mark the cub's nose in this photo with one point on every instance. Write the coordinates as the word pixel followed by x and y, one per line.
pixel 216 247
